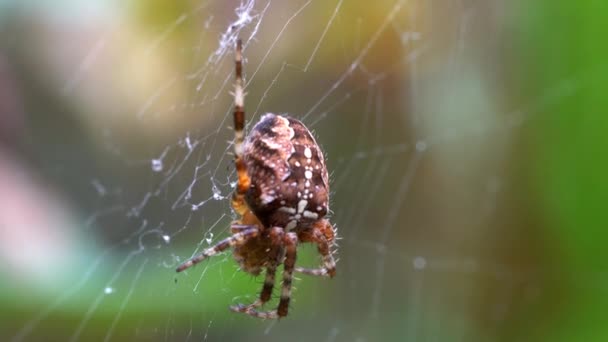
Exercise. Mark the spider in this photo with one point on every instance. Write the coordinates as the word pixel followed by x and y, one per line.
pixel 282 197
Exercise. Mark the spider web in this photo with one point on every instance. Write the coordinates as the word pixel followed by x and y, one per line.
pixel 133 156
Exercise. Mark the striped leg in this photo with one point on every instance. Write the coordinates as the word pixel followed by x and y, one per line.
pixel 238 228
pixel 244 182
pixel 291 245
pixel 329 265
pixel 264 295
pixel 276 236
pixel 290 240
pixel 235 239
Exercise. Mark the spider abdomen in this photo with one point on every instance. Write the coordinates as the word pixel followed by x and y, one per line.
pixel 289 181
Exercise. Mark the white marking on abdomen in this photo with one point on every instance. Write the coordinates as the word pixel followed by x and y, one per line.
pixel 271 144
pixel 267 198
pixel 308 152
pixel 302 205
pixel 310 214
pixel 291 225
pixel 287 210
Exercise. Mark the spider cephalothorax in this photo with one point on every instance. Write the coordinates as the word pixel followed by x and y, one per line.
pixel 282 197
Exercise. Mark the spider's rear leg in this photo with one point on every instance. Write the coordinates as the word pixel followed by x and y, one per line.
pixel 235 239
pixel 264 295
pixel 290 240
pixel 291 244
pixel 276 235
pixel 319 236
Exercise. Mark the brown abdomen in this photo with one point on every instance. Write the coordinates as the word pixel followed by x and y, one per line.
pixel 289 182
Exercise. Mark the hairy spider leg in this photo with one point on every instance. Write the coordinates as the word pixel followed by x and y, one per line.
pixel 265 294
pixel 235 227
pixel 276 235
pixel 238 198
pixel 291 244
pixel 290 240
pixel 235 239
pixel 319 237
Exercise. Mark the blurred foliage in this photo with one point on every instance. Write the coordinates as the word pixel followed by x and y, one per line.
pixel 558 74
pixel 566 63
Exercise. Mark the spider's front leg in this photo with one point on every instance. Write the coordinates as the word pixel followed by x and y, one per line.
pixel 322 235
pixel 239 238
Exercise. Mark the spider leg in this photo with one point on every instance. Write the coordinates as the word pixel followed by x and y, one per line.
pixel 329 265
pixel 276 235
pixel 264 295
pixel 290 240
pixel 235 239
pixel 237 228
pixel 244 181
pixel 291 244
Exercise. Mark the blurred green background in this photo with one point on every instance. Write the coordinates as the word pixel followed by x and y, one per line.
pixel 465 140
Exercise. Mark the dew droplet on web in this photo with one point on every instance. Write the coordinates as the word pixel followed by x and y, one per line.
pixel 209 239
pixel 157 165
pixel 419 263
pixel 108 290
pixel 217 194
pixel 420 146
pixel 409 36
pixel 167 238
